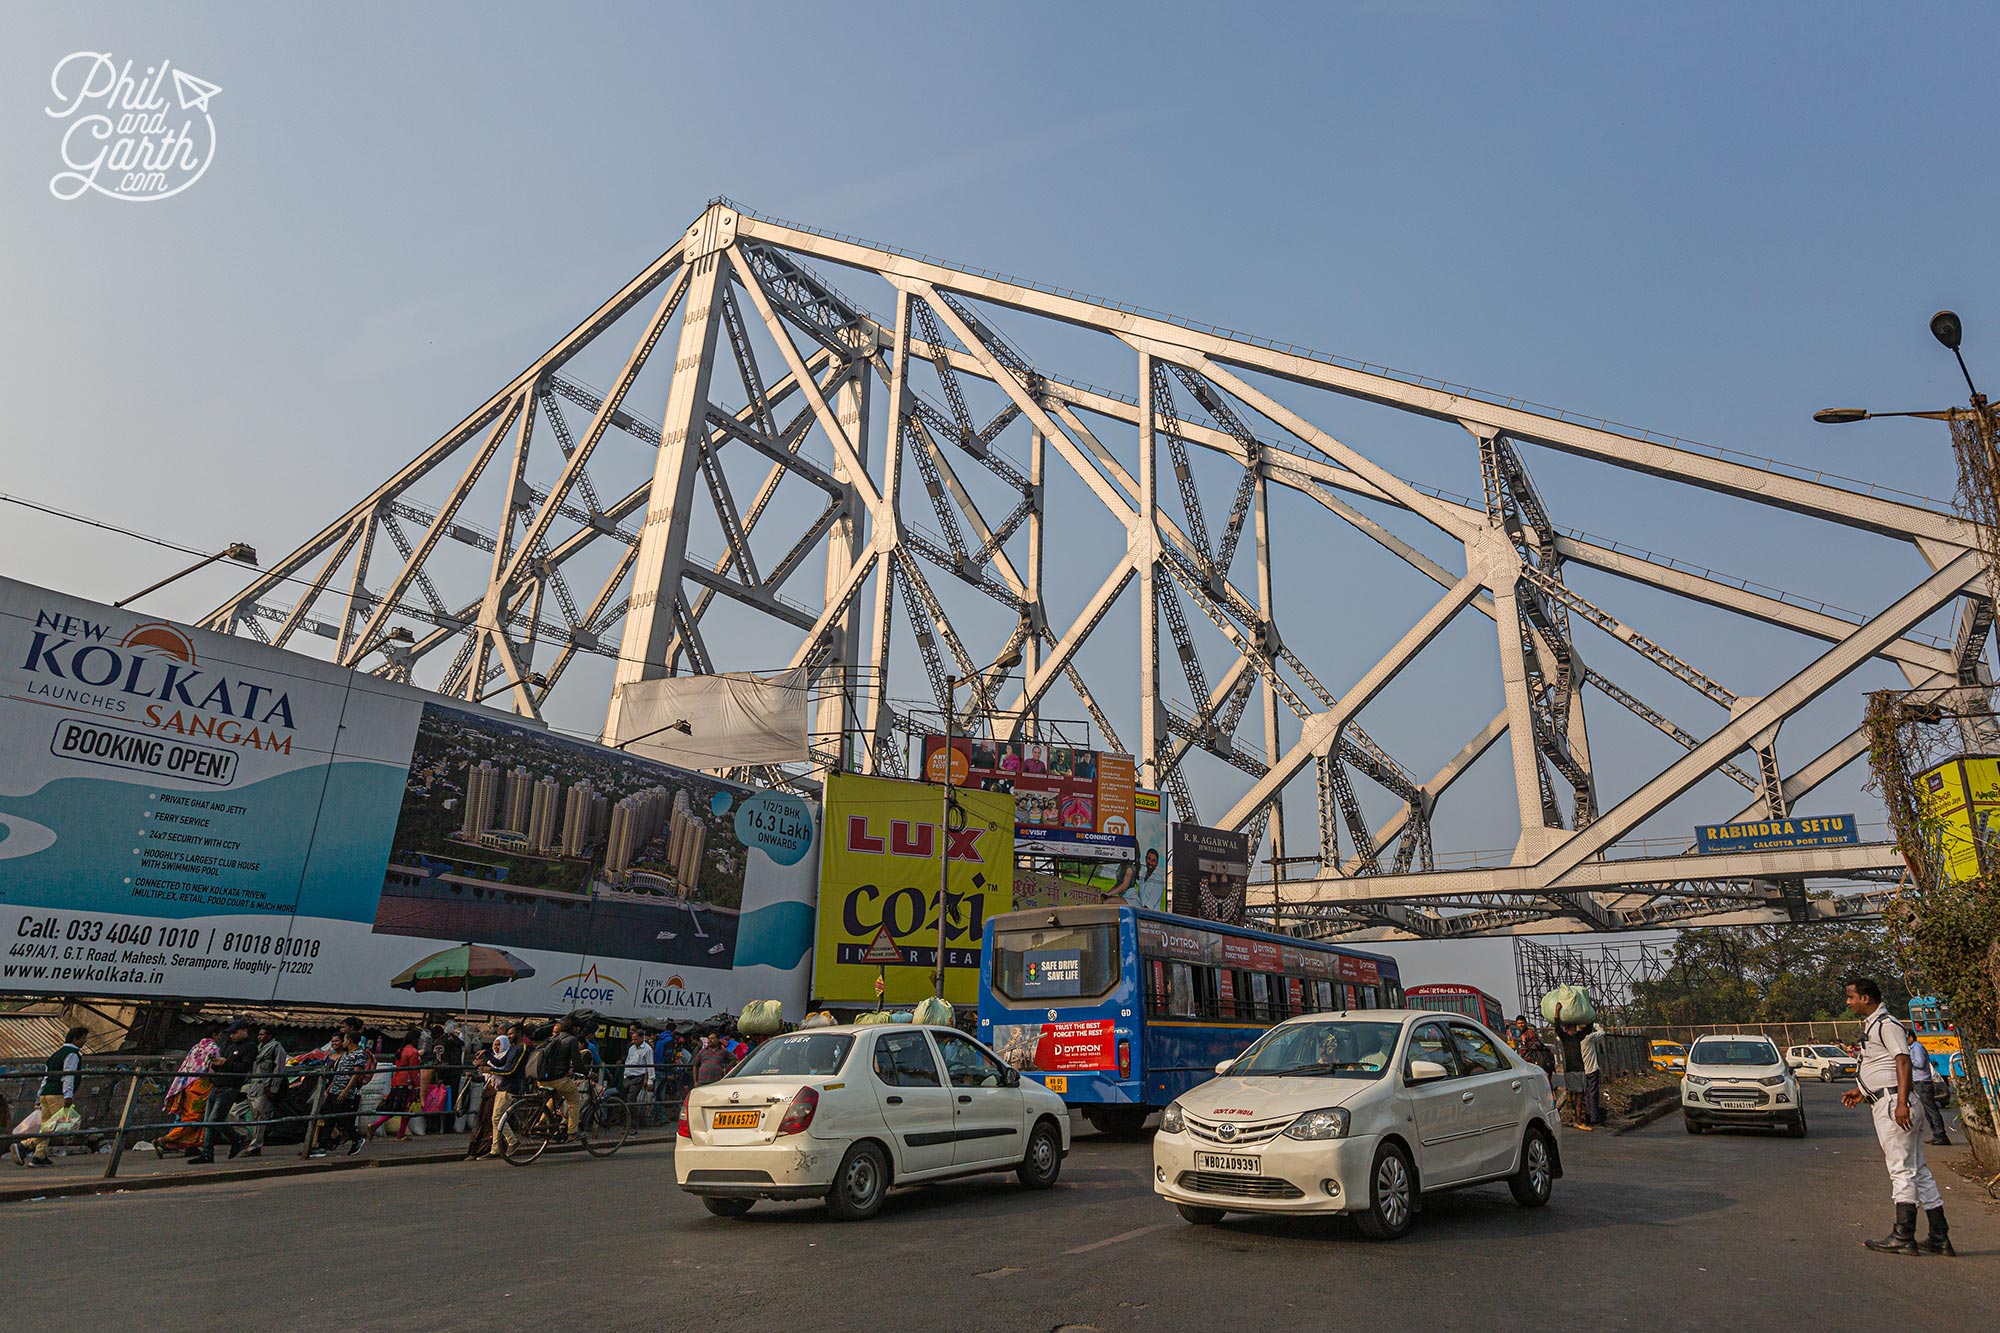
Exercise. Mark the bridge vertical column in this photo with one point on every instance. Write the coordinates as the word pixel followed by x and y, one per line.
pixel 656 574
pixel 1031 647
pixel 882 544
pixel 1267 607
pixel 843 552
pixel 1144 540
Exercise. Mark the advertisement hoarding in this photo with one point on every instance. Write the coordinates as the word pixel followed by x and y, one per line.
pixel 1959 808
pixel 879 869
pixel 185 814
pixel 1067 802
pixel 1211 873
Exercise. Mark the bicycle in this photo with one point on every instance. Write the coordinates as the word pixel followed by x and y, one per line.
pixel 538 1119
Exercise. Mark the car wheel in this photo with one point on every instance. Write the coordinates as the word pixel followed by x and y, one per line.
pixel 1392 1195
pixel 728 1207
pixel 1826 1075
pixel 1536 1179
pixel 1043 1162
pixel 1197 1215
pixel 860 1185
pixel 1694 1126
pixel 1797 1127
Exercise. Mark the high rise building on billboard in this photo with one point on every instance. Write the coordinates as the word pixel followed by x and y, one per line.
pixel 687 840
pixel 635 822
pixel 520 792
pixel 545 801
pixel 580 817
pixel 482 781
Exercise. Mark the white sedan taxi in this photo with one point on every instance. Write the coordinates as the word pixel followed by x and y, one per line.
pixel 1362 1112
pixel 844 1113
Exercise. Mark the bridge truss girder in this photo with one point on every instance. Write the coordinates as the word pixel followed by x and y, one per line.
pixel 838 400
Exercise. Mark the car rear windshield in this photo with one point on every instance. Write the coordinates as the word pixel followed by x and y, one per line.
pixel 1340 1048
pixel 1057 963
pixel 1733 1053
pixel 806 1054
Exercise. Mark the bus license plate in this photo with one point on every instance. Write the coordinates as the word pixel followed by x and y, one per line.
pixel 1214 1161
pixel 736 1120
pixel 1056 1082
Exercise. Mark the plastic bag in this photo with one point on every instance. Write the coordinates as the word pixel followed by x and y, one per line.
pixel 932 1010
pixel 874 1018
pixel 761 1018
pixel 822 1019
pixel 66 1121
pixel 1573 1002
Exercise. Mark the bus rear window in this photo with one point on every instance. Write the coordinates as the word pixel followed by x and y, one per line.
pixel 1056 964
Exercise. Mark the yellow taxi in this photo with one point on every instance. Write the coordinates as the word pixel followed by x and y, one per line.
pixel 1668 1056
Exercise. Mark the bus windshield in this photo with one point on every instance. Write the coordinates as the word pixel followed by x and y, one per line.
pixel 1056 963
pixel 1336 1047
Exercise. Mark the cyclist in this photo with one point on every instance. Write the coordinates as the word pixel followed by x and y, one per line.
pixel 562 1058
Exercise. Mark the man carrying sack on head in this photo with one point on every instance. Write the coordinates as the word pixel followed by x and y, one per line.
pixel 1883 1081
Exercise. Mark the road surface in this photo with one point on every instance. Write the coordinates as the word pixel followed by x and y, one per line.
pixel 1655 1229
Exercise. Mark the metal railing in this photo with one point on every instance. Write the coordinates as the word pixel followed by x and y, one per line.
pixel 137 1072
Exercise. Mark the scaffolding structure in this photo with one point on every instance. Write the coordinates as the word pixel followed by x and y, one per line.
pixel 1611 970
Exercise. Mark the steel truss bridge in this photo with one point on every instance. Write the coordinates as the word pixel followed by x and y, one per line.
pixel 877 489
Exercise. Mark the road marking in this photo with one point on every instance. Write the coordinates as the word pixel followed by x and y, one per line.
pixel 1113 1240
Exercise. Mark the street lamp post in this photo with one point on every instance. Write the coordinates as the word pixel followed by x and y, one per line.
pixel 679 724
pixel 1005 662
pixel 241 552
pixel 1947 328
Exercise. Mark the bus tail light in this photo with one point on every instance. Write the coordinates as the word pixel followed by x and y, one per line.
pixel 1124 1059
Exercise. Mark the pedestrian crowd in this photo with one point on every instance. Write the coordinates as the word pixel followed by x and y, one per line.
pixel 238 1088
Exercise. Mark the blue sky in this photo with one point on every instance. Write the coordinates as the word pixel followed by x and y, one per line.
pixel 1708 220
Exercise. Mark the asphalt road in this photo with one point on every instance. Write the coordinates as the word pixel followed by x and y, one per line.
pixel 1655 1229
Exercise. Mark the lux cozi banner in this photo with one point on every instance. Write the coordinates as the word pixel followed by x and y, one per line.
pixel 189 815
pixel 880 864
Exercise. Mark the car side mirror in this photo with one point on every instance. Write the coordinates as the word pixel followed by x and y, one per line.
pixel 1426 1071
pixel 1011 1079
pixel 1224 1066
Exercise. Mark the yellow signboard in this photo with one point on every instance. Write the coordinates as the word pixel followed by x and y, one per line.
pixel 1959 802
pixel 878 872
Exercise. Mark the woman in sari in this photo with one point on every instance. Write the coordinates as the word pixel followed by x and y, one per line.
pixel 187 1100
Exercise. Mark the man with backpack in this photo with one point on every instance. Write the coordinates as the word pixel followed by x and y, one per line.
pixel 555 1064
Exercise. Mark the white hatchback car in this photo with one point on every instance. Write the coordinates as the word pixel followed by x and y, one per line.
pixel 1740 1079
pixel 1361 1112
pixel 843 1113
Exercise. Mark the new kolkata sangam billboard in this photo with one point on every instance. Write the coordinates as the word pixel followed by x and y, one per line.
pixel 189 815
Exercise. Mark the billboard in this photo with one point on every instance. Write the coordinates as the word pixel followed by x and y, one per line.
pixel 1067 801
pixel 1140 881
pixel 1211 876
pixel 185 814
pixel 1959 805
pixel 880 863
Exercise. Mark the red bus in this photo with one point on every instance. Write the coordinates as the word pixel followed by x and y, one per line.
pixel 1452 997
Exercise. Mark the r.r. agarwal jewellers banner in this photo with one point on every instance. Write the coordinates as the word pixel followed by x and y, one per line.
pixel 879 870
pixel 188 815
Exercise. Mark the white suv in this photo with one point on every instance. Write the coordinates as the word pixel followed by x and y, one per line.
pixel 1740 1079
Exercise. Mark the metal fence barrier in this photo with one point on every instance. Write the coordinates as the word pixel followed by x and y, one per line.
pixel 668 1090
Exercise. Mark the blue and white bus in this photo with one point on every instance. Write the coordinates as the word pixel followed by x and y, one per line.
pixel 1121 1010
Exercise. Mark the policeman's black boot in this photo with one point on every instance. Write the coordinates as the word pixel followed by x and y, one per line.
pixel 1903 1239
pixel 1938 1239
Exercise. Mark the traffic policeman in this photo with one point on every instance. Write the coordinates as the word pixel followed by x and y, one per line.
pixel 1883 1081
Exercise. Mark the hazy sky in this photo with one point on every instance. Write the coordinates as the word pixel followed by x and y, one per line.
pixel 1708 220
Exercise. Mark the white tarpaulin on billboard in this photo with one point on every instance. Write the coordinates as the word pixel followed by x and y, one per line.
pixel 732 719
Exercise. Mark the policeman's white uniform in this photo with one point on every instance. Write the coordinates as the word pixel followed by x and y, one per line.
pixel 1883 1039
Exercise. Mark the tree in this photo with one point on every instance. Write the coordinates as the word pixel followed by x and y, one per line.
pixel 1769 974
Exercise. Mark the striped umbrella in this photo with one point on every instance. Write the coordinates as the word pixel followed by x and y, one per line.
pixel 464 968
